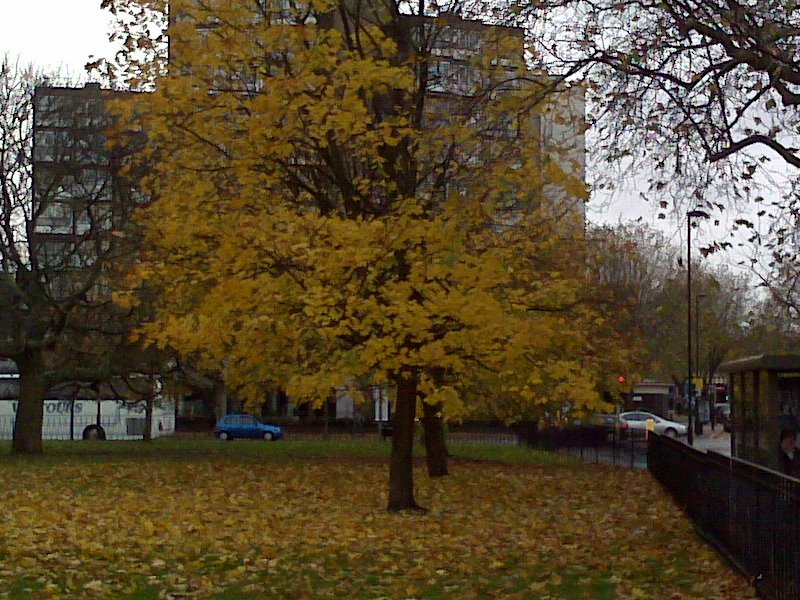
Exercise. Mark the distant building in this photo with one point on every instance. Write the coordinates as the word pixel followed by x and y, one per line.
pixel 79 196
pixel 455 75
pixel 657 397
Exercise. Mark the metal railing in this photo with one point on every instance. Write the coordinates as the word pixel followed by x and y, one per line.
pixel 751 514
pixel 592 444
pixel 624 448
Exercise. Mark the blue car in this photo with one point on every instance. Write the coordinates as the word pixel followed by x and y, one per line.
pixel 246 426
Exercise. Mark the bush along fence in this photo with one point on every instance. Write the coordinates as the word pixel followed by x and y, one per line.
pixel 751 514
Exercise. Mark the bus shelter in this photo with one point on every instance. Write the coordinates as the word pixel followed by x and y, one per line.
pixel 765 399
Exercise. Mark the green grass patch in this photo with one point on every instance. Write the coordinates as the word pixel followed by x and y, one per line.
pixel 248 450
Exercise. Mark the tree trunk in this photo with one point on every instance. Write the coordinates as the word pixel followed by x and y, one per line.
pixel 220 400
pixel 435 447
pixel 527 433
pixel 283 404
pixel 30 409
pixel 401 472
pixel 147 434
pixel 326 414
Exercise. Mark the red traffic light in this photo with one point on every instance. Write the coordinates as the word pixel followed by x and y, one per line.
pixel 621 379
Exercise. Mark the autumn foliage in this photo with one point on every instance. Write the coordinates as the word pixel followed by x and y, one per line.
pixel 250 520
pixel 322 220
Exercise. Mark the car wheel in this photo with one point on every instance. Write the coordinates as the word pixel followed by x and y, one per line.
pixel 223 435
pixel 671 432
pixel 268 435
pixel 94 432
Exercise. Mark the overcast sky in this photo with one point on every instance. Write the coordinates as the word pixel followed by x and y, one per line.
pixel 54 34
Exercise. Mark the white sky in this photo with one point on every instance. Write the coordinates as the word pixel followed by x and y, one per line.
pixel 56 35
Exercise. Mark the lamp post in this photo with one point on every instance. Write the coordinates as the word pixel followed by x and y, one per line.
pixel 698 424
pixel 690 392
pixel 697 331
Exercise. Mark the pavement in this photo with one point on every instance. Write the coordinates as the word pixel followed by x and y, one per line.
pixel 716 441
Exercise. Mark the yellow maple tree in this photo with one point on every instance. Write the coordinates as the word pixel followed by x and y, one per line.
pixel 324 214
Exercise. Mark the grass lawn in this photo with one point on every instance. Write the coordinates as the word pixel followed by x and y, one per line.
pixel 302 520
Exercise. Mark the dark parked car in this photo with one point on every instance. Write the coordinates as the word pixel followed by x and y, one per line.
pixel 609 422
pixel 246 426
pixel 612 425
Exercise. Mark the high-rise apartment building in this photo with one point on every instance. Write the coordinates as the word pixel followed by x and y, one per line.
pixel 79 196
pixel 456 73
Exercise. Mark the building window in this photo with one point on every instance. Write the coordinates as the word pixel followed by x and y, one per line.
pixel 55 253
pixel 135 426
pixel 56 217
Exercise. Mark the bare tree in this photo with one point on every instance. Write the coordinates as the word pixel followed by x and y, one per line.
pixel 62 215
pixel 699 98
pixel 720 74
pixel 644 276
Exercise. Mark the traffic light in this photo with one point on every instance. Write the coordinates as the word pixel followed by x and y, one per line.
pixel 621 378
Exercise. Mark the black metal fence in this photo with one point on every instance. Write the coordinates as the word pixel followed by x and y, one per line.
pixel 595 444
pixel 750 513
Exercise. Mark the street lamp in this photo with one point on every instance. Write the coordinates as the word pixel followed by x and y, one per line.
pixel 698 424
pixel 697 331
pixel 690 392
